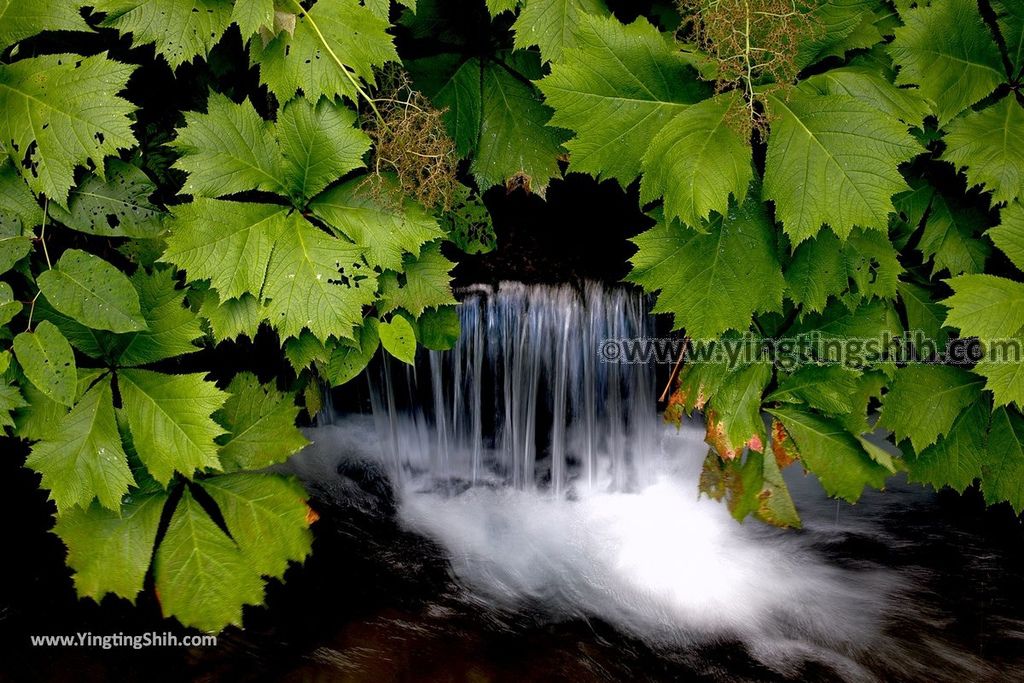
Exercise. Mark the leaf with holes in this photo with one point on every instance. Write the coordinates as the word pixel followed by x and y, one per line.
pixel 48 361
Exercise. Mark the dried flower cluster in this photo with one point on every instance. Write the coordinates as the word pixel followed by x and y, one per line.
pixel 755 45
pixel 411 144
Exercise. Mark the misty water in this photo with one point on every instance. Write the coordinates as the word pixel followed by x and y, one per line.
pixel 560 506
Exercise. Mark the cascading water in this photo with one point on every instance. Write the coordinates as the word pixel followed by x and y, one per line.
pixel 523 398
pixel 556 494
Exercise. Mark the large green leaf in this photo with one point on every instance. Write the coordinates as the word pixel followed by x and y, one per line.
pixel 426 283
pixel 833 160
pixel 81 458
pixel 171 327
pixel 828 388
pixel 698 161
pixel 617 89
pixel 117 206
pixel 1010 16
pixel 551 24
pixel 110 551
pixel 956 459
pixel 989 146
pixel 949 239
pixel 924 401
pixel 48 361
pixel 1009 234
pixel 946 49
pixel 734 412
pixel 872 88
pixel 20 19
pixel 817 271
pixel 202 577
pixel 228 149
pixel 62 111
pixel 267 516
pixel 320 144
pixel 170 421
pixel 923 313
pixel 314 281
pixel 348 358
pixel 1003 469
pixel 181 29
pixel 398 338
pixel 227 243
pixel 704 277
pixel 385 231
pixel 986 306
pixel 93 292
pixel 830 452
pixel 261 425
pixel 252 15
pixel 308 58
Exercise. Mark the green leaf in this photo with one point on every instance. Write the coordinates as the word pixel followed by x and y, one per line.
pixel 82 458
pixel 923 313
pixel 118 206
pixel 110 551
pixel 817 271
pixel 398 339
pixel 8 306
pixel 261 425
pixel 1003 370
pixel 832 454
pixel 840 25
pixel 551 24
pixel 93 292
pixel 985 306
pixel 386 232
pixel 426 283
pixel 439 328
pixel 304 350
pixel 468 224
pixel 227 150
pixel 948 239
pixel 947 51
pixel 314 281
pixel 828 388
pixel 181 30
pixel 349 358
pixel 924 400
pixel 872 264
pixel 989 146
pixel 169 417
pixel 301 60
pixel 1009 234
pixel 734 412
pixel 871 88
pixel 62 111
pixel 171 328
pixel 833 160
pixel 454 86
pixel 233 317
pixel 1003 470
pixel 698 161
pixel 704 277
pixel 252 15
pixel 20 19
pixel 10 400
pixel 868 320
pixel 48 361
pixel 19 213
pixel 616 91
pixel 266 514
pixel 1010 16
pixel 956 460
pixel 320 144
pixel 227 243
pixel 202 577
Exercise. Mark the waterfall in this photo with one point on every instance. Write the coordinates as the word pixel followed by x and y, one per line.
pixel 524 399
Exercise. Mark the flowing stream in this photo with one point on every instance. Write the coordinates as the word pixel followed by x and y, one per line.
pixel 557 496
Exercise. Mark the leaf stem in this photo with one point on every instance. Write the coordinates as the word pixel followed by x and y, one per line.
pixel 46 254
